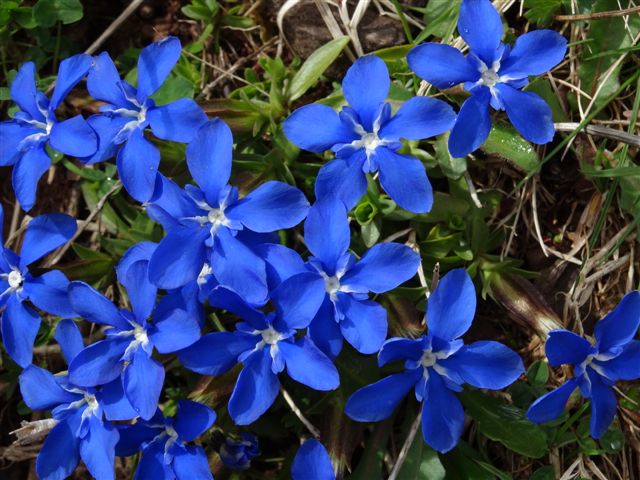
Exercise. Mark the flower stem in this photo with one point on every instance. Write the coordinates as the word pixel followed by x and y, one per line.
pixel 298 413
pixel 402 456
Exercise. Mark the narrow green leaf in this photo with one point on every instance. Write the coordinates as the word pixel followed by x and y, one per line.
pixel 507 143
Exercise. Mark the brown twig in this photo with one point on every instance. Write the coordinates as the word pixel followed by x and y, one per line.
pixel 596 15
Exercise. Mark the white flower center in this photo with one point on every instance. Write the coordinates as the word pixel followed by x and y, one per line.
pixel 371 141
pixel 216 217
pixel 331 285
pixel 204 273
pixel 271 336
pixel 15 279
pixel 428 359
pixel 140 335
pixel 490 78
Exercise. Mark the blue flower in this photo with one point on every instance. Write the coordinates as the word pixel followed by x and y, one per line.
pixel 312 462
pixel 365 138
pixel 437 365
pixel 163 441
pixel 346 282
pixel 265 344
pixel 23 139
pixel 493 73
pixel 131 336
pixel 596 368
pixel 82 416
pixel 212 231
pixel 48 292
pixel 129 111
pixel 237 454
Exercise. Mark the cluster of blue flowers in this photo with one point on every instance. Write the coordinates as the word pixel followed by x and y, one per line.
pixel 221 249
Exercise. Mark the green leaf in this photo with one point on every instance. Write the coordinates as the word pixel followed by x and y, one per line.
pixel 538 373
pixel 45 13
pixel 452 167
pixel 541 11
pixel 440 19
pixel 508 144
pixel 69 11
pixel 370 464
pixel 174 88
pixel 422 462
pixel 505 424
pixel 314 67
pixel 544 473
pixel 371 232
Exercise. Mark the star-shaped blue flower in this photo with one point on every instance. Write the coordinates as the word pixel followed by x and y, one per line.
pixel 23 140
pixel 48 292
pixel 494 74
pixel 129 111
pixel 365 138
pixel 237 454
pixel 82 416
pixel 210 230
pixel 597 367
pixel 266 344
pixel 346 311
pixel 438 365
pixel 164 443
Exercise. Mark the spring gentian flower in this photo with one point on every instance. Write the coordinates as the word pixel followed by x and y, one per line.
pixel 210 225
pixel 312 462
pixel 346 282
pixel 23 139
pixel 437 365
pixel 494 74
pixel 163 441
pixel 265 344
pixel 48 292
pixel 597 367
pixel 82 416
pixel 131 336
pixel 129 111
pixel 237 454
pixel 365 138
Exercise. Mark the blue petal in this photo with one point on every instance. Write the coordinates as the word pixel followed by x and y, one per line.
pixel 114 402
pixel 216 353
pixel 298 299
pixel 441 65
pixel 364 325
pixel 342 180
pixel 326 232
pixel 317 128
pixel 69 338
pixel 419 118
pixel 308 365
pixel 99 363
pixel 377 401
pixel 529 113
pixel 564 347
pixel 551 405
pixel 281 262
pixel 452 306
pixel 192 463
pixel 26 174
pixel 534 53
pixel 44 234
pixel 365 87
pixel 106 129
pixel 193 419
pixel 236 266
pixel 209 158
pixel 137 163
pixel 442 416
pixel 179 258
pixel 626 366
pixel 24 93
pixel 270 207
pixel 20 325
pixel 620 325
pixel 152 464
pixel 91 305
pixel 485 365
pixel 472 125
pixel 154 65
pixel 177 121
pixel 396 349
pixel 59 455
pixel 74 137
pixel 312 462
pixel 174 325
pixel 142 293
pixel 71 71
pixel 49 292
pixel 136 436
pixel 139 251
pixel 256 389
pixel 103 82
pixel 405 180
pixel 41 391
pixel 383 267
pixel 143 380
pixel 227 299
pixel 11 134
pixel 97 449
pixel 603 405
pixel 325 331
pixel 480 26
